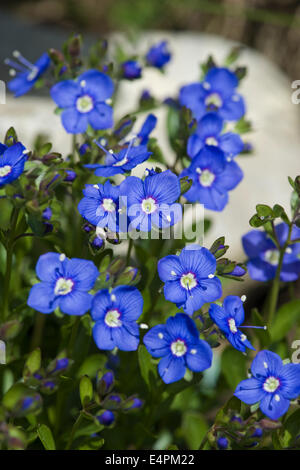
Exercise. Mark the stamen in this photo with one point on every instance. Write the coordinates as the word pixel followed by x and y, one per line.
pixel 243 298
pixel 211 276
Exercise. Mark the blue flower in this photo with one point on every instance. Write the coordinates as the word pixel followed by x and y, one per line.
pixel 146 129
pixel 158 55
pixel 70 176
pixel 27 73
pixel 264 255
pixel 12 161
pixel 222 443
pixel 209 132
pixel 122 162
pixel 217 93
pixel 64 283
pixel 115 314
pixel 47 213
pixel 84 101
pixel 228 318
pixel 151 203
pixel 100 206
pixel 178 344
pixel 106 418
pixel 213 176
pixel 273 384
pixel 189 278
pixel 131 69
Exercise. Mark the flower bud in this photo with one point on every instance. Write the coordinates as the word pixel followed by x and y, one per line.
pixel 106 418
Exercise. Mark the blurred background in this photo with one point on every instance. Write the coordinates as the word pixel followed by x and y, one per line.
pixel 270 26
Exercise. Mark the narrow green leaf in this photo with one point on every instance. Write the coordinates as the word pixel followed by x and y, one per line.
pixel 85 390
pixel 286 318
pixel 46 437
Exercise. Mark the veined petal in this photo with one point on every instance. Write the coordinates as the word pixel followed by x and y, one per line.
pixel 157 341
pixel 73 121
pixel 290 381
pixel 231 144
pixel 163 187
pixel 183 327
pixel 171 368
pixel 99 85
pixel 174 292
pixel 233 306
pixel 41 298
pixel 65 93
pixel 255 242
pixel 48 267
pixel 102 335
pixel 272 407
pixel 75 303
pixel 209 126
pixel 101 117
pixel 124 339
pixel 199 356
pixel 266 363
pixel 101 303
pixel 250 391
pixel 129 301
pixel 169 267
pixel 199 260
pixel 83 272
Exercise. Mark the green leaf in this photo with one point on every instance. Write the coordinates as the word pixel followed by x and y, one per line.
pixel 194 428
pixel 264 211
pixel 85 390
pixel 46 437
pixel 91 365
pixel 290 429
pixel 233 366
pixel 148 369
pixel 33 362
pixel 185 184
pixel 286 318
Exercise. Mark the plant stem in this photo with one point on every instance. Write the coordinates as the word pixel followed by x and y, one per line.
pixel 9 257
pixel 40 320
pixel 276 283
pixel 74 429
pixel 130 245
pixel 73 336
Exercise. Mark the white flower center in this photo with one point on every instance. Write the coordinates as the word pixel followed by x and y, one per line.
pixel 121 162
pixel 84 104
pixel 272 257
pixel 108 205
pixel 63 286
pixel 232 325
pixel 206 178
pixel 188 281
pixel 178 348
pixel 149 205
pixel 271 384
pixel 112 318
pixel 5 170
pixel 214 99
pixel 211 141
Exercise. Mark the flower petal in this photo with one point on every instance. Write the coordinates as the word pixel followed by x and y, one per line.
pixel 231 144
pixel 266 363
pixel 209 126
pixel 255 242
pixel 230 178
pixel 129 301
pixel 41 298
pixel 83 272
pixel 164 187
pixel 73 121
pixel 48 266
pixel 157 341
pixel 201 357
pixel 274 408
pixel 219 317
pixel 101 117
pixel 183 327
pixel 233 108
pixel 250 391
pixel 99 85
pixel 65 93
pixel 167 266
pixel 222 80
pixel 290 381
pixel 233 306
pixel 126 337
pixel 174 292
pixel 102 335
pixel 101 303
pixel 75 303
pixel 171 368
pixel 198 260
